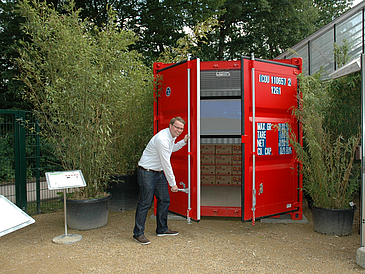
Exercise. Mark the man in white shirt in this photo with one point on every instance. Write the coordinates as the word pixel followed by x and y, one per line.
pixel 154 172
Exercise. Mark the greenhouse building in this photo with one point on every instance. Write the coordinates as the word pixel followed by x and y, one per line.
pixel 317 50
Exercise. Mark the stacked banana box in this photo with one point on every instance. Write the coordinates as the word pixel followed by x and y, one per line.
pixel 220 164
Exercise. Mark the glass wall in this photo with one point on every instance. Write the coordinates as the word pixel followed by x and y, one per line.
pixel 317 50
pixel 351 31
pixel 321 53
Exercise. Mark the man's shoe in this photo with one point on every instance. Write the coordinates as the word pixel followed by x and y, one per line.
pixel 168 232
pixel 141 239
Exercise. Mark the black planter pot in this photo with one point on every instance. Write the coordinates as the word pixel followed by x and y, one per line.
pixel 125 193
pixel 333 221
pixel 87 214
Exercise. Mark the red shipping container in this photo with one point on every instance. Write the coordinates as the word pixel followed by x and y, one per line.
pixel 248 101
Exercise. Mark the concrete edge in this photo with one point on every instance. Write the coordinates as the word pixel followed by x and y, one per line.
pixel 284 219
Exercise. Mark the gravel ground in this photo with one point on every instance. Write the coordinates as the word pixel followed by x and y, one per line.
pixel 213 245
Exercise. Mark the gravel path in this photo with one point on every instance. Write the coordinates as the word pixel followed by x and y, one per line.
pixel 213 245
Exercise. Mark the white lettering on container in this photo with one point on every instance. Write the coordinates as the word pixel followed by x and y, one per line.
pixel 278 80
pixel 276 90
pixel 261 139
pixel 264 78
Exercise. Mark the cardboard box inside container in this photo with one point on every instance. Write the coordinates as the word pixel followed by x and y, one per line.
pixel 236 173
pixel 223 169
pixel 207 179
pixel 236 159
pixel 209 149
pixel 223 180
pixel 236 149
pixel 236 180
pixel 207 169
pixel 207 159
pixel 223 159
pixel 223 149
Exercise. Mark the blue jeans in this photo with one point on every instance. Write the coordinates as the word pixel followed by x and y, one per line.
pixel 152 184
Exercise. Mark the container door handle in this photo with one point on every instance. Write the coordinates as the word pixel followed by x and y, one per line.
pixel 184 189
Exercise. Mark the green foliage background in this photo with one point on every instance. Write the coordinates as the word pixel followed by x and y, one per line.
pixel 93 95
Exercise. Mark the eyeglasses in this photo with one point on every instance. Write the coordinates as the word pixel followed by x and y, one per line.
pixel 179 128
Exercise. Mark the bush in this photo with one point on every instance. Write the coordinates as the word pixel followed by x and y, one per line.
pixel 93 96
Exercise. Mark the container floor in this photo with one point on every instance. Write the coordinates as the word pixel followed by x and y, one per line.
pixel 218 195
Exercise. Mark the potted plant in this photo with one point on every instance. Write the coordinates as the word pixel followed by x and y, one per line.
pixel 327 161
pixel 131 138
pixel 83 81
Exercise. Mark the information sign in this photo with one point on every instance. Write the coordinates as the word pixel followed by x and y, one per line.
pixel 12 217
pixel 65 179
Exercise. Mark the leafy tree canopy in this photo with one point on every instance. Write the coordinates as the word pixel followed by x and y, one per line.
pixel 263 27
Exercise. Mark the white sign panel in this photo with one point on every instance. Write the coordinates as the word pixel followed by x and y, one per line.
pixel 65 179
pixel 12 217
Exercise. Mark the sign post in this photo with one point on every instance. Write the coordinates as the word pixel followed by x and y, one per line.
pixel 64 180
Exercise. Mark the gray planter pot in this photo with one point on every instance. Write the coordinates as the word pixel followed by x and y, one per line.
pixel 333 221
pixel 87 214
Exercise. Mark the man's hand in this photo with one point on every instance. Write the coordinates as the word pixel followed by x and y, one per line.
pixel 174 188
pixel 186 138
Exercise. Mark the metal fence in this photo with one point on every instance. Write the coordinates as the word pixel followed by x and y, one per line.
pixel 24 159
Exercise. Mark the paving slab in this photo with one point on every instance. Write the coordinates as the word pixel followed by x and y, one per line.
pixel 284 219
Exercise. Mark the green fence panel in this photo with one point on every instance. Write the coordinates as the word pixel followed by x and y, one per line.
pixel 24 159
pixel 7 155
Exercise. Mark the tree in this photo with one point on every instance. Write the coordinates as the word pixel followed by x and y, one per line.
pixel 160 24
pixel 268 27
pixel 10 89
pixel 11 96
pixel 263 27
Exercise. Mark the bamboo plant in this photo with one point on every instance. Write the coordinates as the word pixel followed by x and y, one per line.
pixel 92 95
pixel 327 162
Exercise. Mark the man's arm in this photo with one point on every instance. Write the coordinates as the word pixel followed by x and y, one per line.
pixel 181 143
pixel 163 151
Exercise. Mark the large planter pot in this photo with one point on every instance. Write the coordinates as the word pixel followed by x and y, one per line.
pixel 87 214
pixel 333 221
pixel 125 193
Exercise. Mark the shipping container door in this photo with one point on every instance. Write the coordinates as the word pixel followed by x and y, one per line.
pixel 178 96
pixel 271 184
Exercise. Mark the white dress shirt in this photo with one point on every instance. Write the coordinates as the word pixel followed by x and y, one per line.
pixel 157 154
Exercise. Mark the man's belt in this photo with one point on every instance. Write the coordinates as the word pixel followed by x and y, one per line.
pixel 141 167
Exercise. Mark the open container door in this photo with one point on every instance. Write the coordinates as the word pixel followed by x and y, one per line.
pixel 271 184
pixel 178 95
